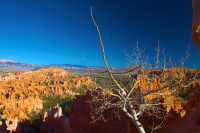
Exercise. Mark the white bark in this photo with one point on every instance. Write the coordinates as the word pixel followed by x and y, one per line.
pixel 134 119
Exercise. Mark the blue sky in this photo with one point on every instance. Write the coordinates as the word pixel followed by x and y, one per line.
pixel 59 31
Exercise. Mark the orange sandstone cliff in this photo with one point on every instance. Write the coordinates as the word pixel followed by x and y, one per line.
pixel 20 93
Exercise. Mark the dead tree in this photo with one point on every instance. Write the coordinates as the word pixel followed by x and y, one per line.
pixel 152 87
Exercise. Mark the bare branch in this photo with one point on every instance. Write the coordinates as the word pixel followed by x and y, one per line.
pixel 104 56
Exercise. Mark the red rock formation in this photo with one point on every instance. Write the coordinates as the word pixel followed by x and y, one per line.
pixel 54 121
pixel 194 94
pixel 189 124
pixel 175 72
pixel 195 34
pixel 80 119
pixel 169 102
pixel 80 115
pixel 11 124
pixel 20 92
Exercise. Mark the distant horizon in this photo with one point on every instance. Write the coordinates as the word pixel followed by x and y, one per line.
pixel 79 65
pixel 47 64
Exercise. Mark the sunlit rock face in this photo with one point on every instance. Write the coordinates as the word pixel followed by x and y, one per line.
pixel 20 93
pixel 195 34
pixel 13 125
pixel 176 73
pixel 23 94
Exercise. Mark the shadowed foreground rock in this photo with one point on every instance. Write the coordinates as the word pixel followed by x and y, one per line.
pixel 54 121
pixel 81 121
pixel 190 124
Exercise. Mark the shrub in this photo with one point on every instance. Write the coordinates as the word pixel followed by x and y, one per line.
pixel 52 101
pixel 1 110
pixel 184 93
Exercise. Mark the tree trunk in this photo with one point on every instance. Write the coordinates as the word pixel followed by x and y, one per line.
pixel 137 124
pixel 134 119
